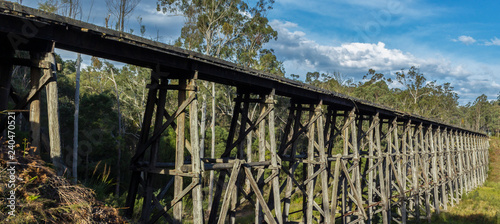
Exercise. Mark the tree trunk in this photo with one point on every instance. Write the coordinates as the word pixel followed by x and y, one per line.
pixel 212 150
pixel 77 110
pixel 203 125
pixel 120 135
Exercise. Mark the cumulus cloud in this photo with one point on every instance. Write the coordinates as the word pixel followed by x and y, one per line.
pixel 357 57
pixel 300 54
pixel 465 39
pixel 494 41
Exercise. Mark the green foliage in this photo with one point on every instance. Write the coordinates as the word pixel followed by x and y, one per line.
pixel 49 6
pixel 228 29
pixel 418 96
pixel 101 181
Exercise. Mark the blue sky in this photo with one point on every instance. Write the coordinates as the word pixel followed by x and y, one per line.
pixel 450 41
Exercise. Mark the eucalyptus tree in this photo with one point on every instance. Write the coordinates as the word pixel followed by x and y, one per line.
pixel 121 10
pixel 233 30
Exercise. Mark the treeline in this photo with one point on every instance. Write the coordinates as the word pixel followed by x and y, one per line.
pixel 417 95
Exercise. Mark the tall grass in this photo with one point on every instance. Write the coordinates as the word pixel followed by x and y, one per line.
pixel 483 204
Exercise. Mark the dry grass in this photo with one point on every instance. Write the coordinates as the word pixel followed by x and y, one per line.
pixel 44 197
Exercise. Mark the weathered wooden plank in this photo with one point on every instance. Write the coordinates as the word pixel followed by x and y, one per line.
pixel 381 172
pixel 195 155
pixel 259 215
pixel 53 115
pixel 309 197
pixel 256 189
pixel 412 144
pixel 35 75
pixel 229 191
pixel 324 165
pixel 179 151
pixel 274 158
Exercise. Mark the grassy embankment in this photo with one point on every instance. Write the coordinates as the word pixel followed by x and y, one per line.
pixel 483 204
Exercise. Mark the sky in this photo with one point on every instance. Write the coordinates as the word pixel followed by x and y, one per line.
pixel 455 41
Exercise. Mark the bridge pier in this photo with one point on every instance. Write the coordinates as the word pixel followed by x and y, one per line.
pixel 42 64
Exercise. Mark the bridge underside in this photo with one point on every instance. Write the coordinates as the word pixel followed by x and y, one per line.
pixel 333 158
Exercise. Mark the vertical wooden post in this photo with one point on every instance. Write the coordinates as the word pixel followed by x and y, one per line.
pixel 371 183
pixel 455 161
pixel 388 170
pixel 460 162
pixel 274 159
pixel 349 143
pixel 35 106
pixel 475 160
pixel 195 153
pixel 146 126
pixel 466 161
pixel 259 214
pixel 357 148
pixel 426 152
pixel 179 152
pixel 324 163
pixel 435 180
pixel 310 169
pixel 402 166
pixel 381 172
pixel 469 163
pixel 147 206
pixel 442 170
pixel 450 174
pixel 415 168
pixel 53 114
pixel 356 177
pixel 345 152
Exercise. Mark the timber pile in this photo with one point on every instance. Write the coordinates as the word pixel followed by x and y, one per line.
pixel 44 197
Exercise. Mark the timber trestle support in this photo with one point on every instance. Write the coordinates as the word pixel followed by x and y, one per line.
pixel 39 58
pixel 345 165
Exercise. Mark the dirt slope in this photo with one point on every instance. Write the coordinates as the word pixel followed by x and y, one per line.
pixel 44 197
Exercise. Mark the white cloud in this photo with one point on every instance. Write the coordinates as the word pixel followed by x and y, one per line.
pixel 301 55
pixel 465 39
pixel 165 26
pixel 356 57
pixel 495 41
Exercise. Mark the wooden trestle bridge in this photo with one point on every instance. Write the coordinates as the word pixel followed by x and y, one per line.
pixel 358 162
